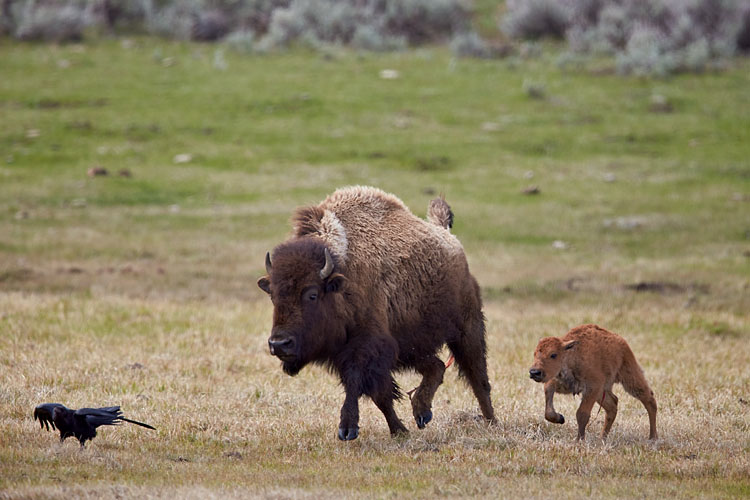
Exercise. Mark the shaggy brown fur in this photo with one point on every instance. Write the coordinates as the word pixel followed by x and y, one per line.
pixel 589 360
pixel 398 290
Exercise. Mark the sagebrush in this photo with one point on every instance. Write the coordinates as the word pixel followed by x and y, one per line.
pixel 646 37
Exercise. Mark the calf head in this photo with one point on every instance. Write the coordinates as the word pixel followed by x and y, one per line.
pixel 308 320
pixel 549 357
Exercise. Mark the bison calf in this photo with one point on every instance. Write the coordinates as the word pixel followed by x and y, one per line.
pixel 588 360
pixel 366 289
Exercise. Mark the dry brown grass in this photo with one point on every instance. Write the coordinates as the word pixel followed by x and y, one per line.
pixel 230 424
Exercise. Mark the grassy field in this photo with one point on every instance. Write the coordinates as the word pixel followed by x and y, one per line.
pixel 140 290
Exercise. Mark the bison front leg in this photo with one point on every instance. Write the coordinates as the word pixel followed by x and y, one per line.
pixel 549 408
pixel 384 401
pixel 349 423
pixel 366 371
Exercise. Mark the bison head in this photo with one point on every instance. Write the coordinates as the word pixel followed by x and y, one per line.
pixel 548 358
pixel 308 316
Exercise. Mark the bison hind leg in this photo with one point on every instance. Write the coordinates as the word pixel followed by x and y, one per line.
pixel 432 370
pixel 470 353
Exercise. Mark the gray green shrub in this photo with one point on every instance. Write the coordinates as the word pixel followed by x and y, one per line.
pixel 651 37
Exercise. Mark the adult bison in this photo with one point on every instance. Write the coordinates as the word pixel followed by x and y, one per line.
pixel 366 288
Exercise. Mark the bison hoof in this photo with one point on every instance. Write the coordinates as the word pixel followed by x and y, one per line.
pixel 562 419
pixel 424 418
pixel 348 434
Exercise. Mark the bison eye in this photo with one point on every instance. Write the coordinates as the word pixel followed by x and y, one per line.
pixel 310 295
pixel 553 355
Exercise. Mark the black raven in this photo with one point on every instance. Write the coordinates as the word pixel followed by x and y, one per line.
pixel 81 423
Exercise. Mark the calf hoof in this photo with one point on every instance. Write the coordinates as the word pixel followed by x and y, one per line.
pixel 348 434
pixel 423 418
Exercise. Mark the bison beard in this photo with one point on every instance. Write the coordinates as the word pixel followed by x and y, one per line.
pixel 366 288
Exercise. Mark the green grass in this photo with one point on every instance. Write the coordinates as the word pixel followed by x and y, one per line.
pixel 141 290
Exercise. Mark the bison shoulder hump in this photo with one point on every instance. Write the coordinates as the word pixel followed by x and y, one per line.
pixel 306 220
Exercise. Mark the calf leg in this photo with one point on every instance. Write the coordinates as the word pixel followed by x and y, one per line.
pixel 432 370
pixel 584 411
pixel 609 403
pixel 635 383
pixel 549 409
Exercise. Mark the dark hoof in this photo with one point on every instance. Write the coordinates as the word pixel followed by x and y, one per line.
pixel 562 419
pixel 400 432
pixel 348 434
pixel 423 418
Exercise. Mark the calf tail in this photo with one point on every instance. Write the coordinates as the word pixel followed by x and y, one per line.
pixel 440 213
pixel 632 377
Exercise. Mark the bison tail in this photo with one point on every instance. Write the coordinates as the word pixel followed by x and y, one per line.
pixel 440 213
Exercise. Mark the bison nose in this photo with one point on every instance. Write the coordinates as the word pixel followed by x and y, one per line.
pixel 536 374
pixel 281 347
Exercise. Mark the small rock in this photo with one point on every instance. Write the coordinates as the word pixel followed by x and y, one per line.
pixel 78 203
pixel 559 245
pixel 401 121
pixel 183 158
pixel 97 171
pixel 531 190
pixel 609 177
pixel 389 74
pixel 174 209
pixel 624 222
pixel 32 133
pixel 660 104
pixel 135 366
pixel 528 174
pixel 534 90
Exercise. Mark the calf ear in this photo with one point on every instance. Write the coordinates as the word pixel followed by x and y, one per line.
pixel 570 344
pixel 334 283
pixel 265 284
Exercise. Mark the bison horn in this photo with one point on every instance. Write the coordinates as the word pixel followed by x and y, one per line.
pixel 268 263
pixel 328 267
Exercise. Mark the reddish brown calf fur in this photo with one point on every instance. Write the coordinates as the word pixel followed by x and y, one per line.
pixel 588 360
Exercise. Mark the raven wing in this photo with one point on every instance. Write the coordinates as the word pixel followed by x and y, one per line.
pixel 44 412
pixel 109 415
